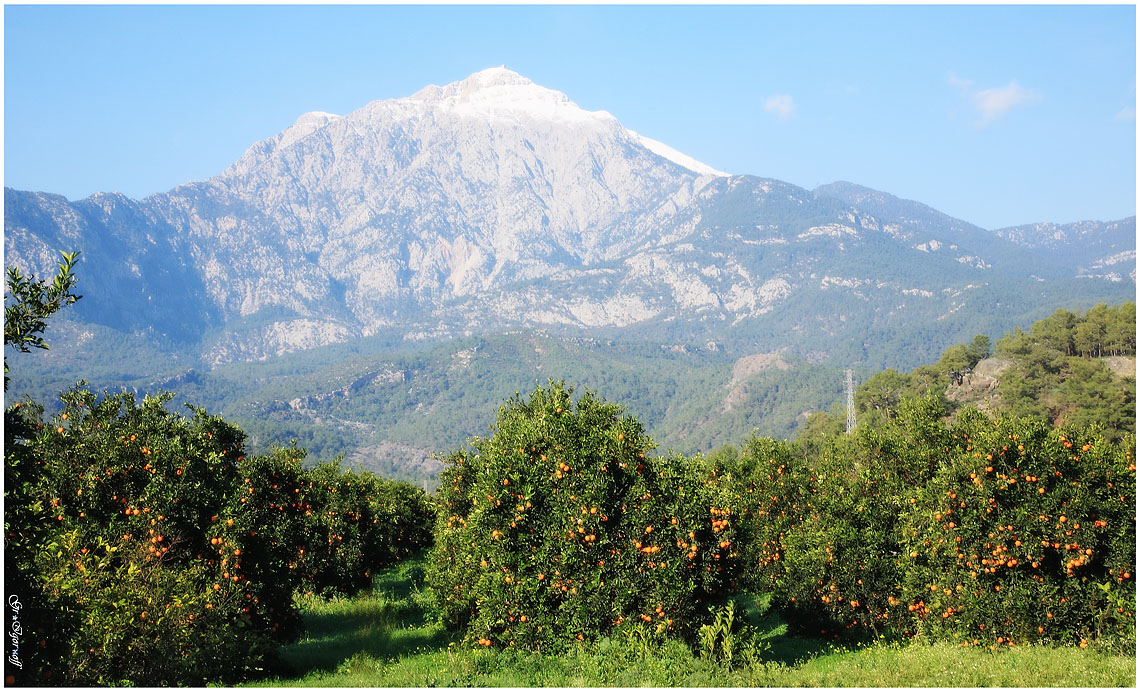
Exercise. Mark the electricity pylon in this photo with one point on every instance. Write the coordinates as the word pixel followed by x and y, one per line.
pixel 850 401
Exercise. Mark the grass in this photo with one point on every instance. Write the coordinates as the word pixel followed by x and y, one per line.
pixel 388 638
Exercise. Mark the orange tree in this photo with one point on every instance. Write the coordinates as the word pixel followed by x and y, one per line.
pixel 767 488
pixel 257 533
pixel 1026 533
pixel 402 518
pixel 332 558
pixel 843 565
pixel 28 302
pixel 123 520
pixel 562 526
pixel 355 524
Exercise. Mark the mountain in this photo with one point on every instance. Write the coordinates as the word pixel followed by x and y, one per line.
pixel 494 205
pixel 488 204
pixel 1098 249
pixel 340 226
pixel 933 231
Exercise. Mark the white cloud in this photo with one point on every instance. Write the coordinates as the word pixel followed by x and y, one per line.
pixel 781 104
pixel 997 101
pixel 994 102
pixel 960 82
pixel 1126 115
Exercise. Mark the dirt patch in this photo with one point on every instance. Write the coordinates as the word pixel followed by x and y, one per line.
pixel 991 367
pixel 745 368
pixel 980 387
pixel 381 458
pixel 1121 366
pixel 756 363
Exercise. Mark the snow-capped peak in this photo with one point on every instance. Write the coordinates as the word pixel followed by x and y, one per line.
pixel 667 152
pixel 500 93
pixel 306 125
pixel 497 76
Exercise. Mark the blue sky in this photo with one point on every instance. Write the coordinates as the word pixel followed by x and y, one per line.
pixel 996 115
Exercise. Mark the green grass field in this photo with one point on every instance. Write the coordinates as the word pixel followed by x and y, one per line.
pixel 389 638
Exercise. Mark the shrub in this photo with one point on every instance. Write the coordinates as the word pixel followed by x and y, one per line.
pixel 561 526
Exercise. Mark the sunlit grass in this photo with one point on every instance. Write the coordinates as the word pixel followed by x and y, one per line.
pixel 946 665
pixel 388 638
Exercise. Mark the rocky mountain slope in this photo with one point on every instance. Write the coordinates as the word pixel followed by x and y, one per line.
pixel 1099 249
pixel 929 230
pixel 493 203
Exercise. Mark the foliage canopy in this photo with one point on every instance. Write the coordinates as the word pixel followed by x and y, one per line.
pixel 561 526
pixel 32 302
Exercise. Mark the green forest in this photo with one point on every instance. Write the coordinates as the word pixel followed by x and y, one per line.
pixel 1070 368
pixel 983 503
pixel 393 408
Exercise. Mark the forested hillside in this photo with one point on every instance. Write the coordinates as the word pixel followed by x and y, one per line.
pixel 392 409
pixel 1073 367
